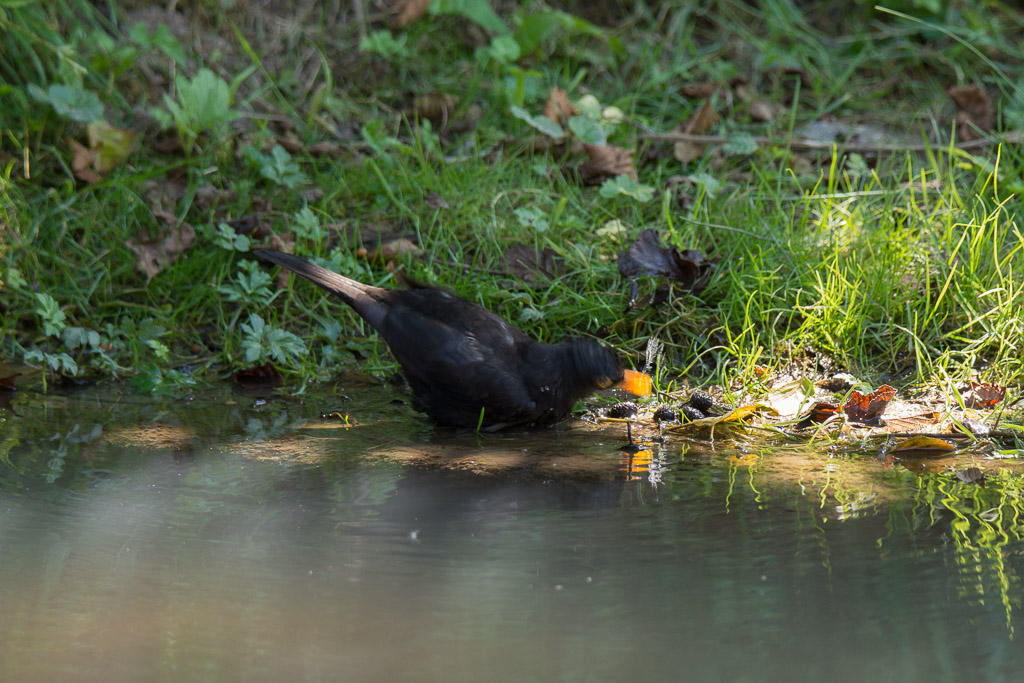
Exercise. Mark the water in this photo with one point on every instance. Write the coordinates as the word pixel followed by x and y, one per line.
pixel 212 540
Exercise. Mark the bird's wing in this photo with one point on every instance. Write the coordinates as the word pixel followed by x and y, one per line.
pixel 454 374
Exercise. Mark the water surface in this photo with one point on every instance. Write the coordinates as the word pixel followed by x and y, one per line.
pixel 218 539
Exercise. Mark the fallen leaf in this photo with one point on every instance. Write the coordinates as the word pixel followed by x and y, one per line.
pixel 923 446
pixel 969 426
pixel 325 148
pixel 982 394
pixel 154 253
pixel 646 256
pixel 436 107
pixel 606 161
pixel 761 112
pixel 209 196
pixel 909 424
pixel 7 381
pixel 558 108
pixel 82 161
pixel 532 266
pixel 974 111
pixel 112 145
pixel 435 201
pixel 163 195
pixel 703 120
pixel 819 412
pixel 291 143
pixel 734 418
pixel 407 11
pixel 390 249
pixel 700 91
pixel 790 398
pixel 861 407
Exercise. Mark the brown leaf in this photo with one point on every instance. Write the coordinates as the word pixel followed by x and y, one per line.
pixel 324 149
pixel 407 11
pixel 863 407
pixel 909 424
pixel 761 112
pixel 606 161
pixel 532 266
pixel 700 91
pixel 703 120
pixel 390 249
pixel 291 143
pixel 436 107
pixel 974 111
pixel 982 394
pixel 312 195
pixel 82 160
pixel 558 108
pixel 209 196
pixel 153 254
pixel 435 201
pixel 164 195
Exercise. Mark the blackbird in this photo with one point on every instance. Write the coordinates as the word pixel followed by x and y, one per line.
pixel 466 366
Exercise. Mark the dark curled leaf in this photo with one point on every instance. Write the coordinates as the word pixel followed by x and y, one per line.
pixel 646 256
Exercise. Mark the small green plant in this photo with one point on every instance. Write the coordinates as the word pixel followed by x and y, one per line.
pixel 202 105
pixel 69 102
pixel 306 225
pixel 263 342
pixel 228 238
pixel 151 379
pixel 251 286
pixel 624 185
pixel 278 167
pixel 53 323
pixel 385 44
pixel 532 217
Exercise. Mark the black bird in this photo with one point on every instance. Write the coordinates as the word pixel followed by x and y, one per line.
pixel 466 366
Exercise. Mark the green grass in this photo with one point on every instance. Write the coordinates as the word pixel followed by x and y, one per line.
pixel 823 263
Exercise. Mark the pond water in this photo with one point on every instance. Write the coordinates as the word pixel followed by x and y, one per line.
pixel 222 538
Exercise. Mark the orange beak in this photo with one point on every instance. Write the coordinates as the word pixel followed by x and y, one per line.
pixel 636 383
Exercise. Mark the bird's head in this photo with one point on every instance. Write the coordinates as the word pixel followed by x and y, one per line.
pixel 599 366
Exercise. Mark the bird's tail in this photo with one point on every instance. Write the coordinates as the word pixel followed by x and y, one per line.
pixel 365 299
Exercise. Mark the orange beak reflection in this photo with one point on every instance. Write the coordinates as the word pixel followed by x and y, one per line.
pixel 636 383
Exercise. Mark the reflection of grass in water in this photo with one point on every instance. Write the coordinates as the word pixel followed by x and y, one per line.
pixel 986 522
